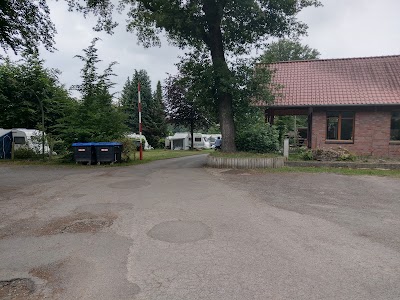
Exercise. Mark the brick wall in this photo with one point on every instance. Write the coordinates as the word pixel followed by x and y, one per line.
pixel 371 134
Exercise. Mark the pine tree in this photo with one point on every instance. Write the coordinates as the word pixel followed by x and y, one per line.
pixel 153 118
pixel 157 126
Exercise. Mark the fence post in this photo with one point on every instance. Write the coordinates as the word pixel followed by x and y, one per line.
pixel 286 148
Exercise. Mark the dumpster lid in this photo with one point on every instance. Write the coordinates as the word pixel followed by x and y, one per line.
pixel 83 144
pixel 107 144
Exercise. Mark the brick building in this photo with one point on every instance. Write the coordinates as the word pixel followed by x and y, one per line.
pixel 353 103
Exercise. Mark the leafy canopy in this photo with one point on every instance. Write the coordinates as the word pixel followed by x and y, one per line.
pixel 25 86
pixel 24 24
pixel 95 118
pixel 287 50
pixel 222 28
pixel 243 23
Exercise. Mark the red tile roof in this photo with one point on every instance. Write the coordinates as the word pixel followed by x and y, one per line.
pixel 350 81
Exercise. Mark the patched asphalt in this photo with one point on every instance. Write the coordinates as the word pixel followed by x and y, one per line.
pixel 176 230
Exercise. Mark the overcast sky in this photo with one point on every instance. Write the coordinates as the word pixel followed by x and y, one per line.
pixel 339 29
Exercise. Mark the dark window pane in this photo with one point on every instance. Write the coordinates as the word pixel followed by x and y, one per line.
pixel 348 114
pixel 347 129
pixel 332 129
pixel 19 140
pixel 332 114
pixel 395 127
pixel 197 139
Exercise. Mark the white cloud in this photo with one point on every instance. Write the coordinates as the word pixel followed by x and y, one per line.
pixel 356 28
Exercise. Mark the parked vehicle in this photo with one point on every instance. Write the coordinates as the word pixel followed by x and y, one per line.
pixel 182 141
pixel 136 137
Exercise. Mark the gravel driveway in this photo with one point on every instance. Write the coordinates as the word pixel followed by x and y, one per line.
pixel 175 230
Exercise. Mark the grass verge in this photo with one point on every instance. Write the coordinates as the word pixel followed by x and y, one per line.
pixel 148 156
pixel 342 171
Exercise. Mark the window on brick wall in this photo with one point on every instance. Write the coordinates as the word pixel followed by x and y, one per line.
pixel 340 126
pixel 395 127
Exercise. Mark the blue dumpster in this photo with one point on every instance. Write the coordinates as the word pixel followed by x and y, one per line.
pixel 84 153
pixel 109 152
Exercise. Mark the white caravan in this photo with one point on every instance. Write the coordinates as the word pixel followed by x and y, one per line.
pixel 30 138
pixel 182 141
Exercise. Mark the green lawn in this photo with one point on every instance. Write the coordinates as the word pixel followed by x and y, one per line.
pixel 148 156
pixel 343 171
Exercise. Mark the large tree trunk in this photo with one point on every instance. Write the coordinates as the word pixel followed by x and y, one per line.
pixel 222 74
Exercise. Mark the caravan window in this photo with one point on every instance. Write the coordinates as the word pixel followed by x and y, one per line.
pixel 20 140
pixel 197 139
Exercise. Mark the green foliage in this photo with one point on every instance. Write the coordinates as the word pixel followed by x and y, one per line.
pixel 161 143
pixel 128 148
pixel 222 29
pixel 25 153
pixel 156 127
pixel 259 138
pixel 347 157
pixel 25 24
pixel 287 50
pixel 307 155
pixel 26 87
pixel 94 118
pixel 182 105
pixel 153 116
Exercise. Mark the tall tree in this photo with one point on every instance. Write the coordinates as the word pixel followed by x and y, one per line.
pixel 28 89
pixel 96 119
pixel 158 125
pixel 181 107
pixel 223 27
pixel 129 100
pixel 287 50
pixel 24 24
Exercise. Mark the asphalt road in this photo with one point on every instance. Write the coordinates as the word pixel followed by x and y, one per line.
pixel 175 230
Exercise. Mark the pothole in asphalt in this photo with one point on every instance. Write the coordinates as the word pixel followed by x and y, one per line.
pixel 80 223
pixel 18 288
pixel 180 231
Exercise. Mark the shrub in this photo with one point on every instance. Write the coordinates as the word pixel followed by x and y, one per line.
pixel 260 138
pixel 161 143
pixel 25 153
pixel 307 155
pixel 347 157
pixel 128 147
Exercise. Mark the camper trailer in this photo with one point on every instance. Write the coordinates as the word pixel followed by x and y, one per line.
pixel 182 141
pixel 21 137
pixel 136 137
pixel 30 138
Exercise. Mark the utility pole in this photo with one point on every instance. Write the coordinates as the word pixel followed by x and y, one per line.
pixel 140 123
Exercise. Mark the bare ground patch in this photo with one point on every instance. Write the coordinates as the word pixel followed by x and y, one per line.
pixel 16 289
pixel 76 223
